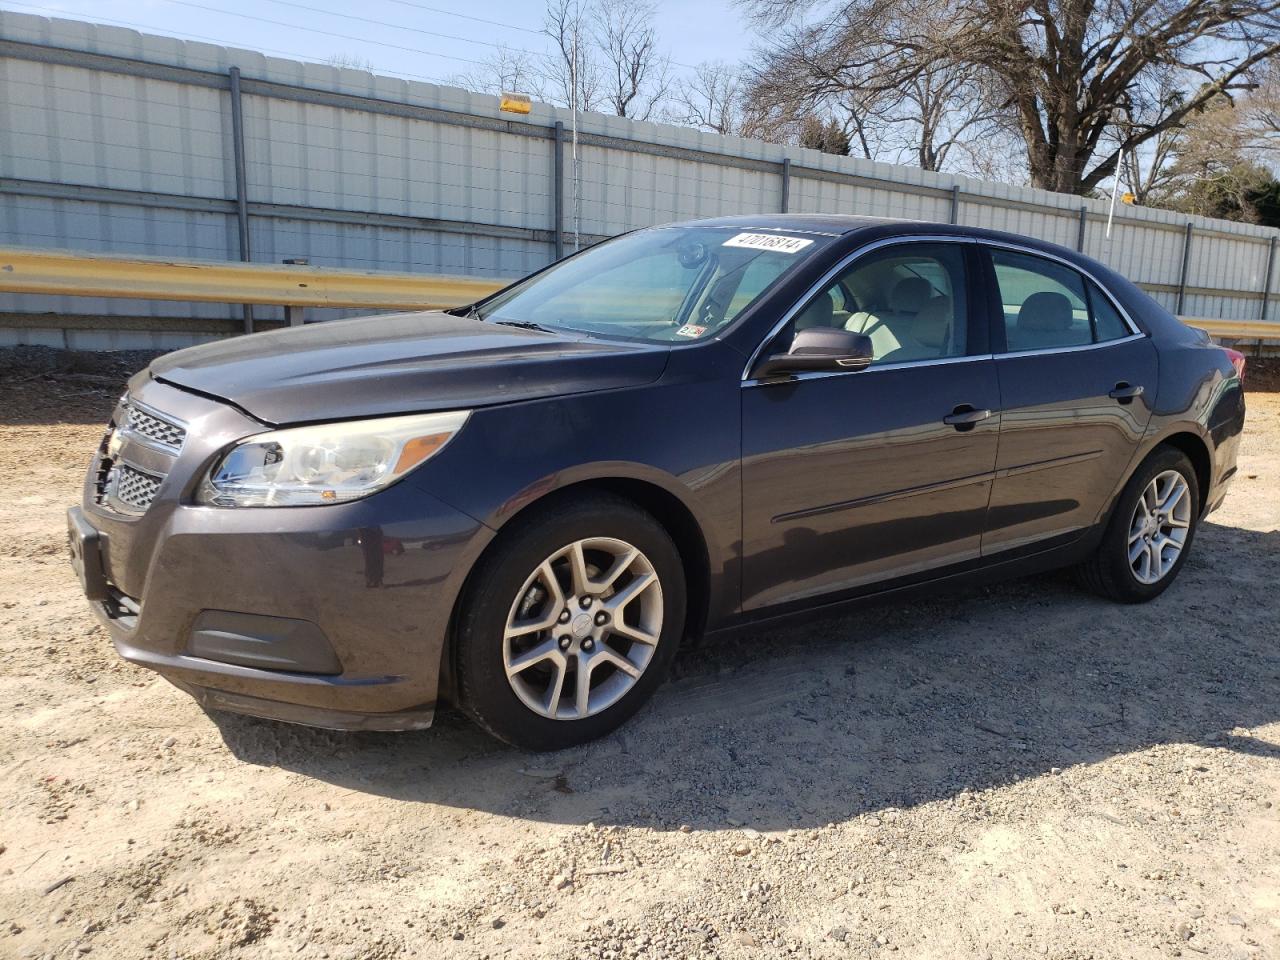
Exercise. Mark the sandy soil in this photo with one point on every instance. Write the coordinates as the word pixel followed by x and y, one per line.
pixel 1021 771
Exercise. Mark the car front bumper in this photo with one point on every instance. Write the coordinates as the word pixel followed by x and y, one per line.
pixel 333 616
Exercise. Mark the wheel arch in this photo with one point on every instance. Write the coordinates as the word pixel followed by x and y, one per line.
pixel 1197 451
pixel 669 510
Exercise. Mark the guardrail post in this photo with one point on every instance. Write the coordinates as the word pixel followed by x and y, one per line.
pixel 242 195
pixel 1266 280
pixel 293 314
pixel 786 184
pixel 557 193
pixel 955 203
pixel 1186 264
pixel 1084 224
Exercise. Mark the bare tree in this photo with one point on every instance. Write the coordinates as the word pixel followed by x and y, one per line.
pixel 711 99
pixel 508 69
pixel 571 73
pixel 1063 69
pixel 637 75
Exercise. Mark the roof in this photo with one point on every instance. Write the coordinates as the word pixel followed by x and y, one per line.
pixel 834 225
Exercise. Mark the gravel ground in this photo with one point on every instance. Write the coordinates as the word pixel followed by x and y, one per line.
pixel 1019 771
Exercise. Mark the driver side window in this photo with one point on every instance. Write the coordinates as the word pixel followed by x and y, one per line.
pixel 909 299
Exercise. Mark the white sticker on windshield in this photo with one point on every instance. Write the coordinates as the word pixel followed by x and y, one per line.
pixel 768 241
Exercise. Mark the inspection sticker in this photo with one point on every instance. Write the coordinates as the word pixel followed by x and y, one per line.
pixel 768 241
pixel 691 330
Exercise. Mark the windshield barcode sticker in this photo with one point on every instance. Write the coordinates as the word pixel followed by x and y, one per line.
pixel 768 241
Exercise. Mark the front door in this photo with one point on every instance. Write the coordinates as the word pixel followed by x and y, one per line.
pixel 857 477
pixel 1076 384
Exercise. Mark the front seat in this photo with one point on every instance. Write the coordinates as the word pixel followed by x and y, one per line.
pixel 928 333
pixel 820 313
pixel 1043 321
pixel 909 295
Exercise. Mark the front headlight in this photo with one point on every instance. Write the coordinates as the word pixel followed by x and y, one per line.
pixel 328 463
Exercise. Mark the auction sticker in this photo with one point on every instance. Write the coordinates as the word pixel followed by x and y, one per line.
pixel 768 241
pixel 691 330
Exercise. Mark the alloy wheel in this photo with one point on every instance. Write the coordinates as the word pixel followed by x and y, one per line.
pixel 1160 526
pixel 583 628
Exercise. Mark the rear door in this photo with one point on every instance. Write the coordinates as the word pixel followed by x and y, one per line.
pixel 1076 383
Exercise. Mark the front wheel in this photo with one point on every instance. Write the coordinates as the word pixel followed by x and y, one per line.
pixel 1150 531
pixel 569 623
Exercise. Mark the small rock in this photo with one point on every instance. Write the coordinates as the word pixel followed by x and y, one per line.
pixel 457 935
pixel 1236 921
pixel 497 923
pixel 1055 770
pixel 839 933
pixel 685 828
pixel 741 849
pixel 1183 930
pixel 169 742
pixel 742 938
pixel 560 882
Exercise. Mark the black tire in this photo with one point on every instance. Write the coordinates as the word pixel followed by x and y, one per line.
pixel 483 691
pixel 1108 572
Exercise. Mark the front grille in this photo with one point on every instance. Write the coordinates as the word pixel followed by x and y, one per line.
pixel 154 428
pixel 135 457
pixel 135 488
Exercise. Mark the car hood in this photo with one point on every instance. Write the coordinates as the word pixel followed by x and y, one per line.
pixel 402 363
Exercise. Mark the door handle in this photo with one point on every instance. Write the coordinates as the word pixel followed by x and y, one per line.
pixel 1125 392
pixel 965 417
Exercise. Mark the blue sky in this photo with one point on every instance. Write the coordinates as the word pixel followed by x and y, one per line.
pixel 426 39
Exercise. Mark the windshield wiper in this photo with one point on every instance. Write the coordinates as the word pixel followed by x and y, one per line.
pixel 523 325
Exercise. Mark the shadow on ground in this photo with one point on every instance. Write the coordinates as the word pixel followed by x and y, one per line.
pixel 888 706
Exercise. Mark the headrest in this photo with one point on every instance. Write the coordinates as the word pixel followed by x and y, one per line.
pixel 820 313
pixel 933 322
pixel 909 295
pixel 1045 312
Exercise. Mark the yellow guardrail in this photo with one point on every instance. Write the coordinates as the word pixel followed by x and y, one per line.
pixel 1236 329
pixel 61 273
pixel 207 281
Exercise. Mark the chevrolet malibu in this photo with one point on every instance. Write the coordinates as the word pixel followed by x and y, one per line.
pixel 525 506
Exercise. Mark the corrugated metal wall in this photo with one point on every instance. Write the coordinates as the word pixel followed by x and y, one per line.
pixel 111 140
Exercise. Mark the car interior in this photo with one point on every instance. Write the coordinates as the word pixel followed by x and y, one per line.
pixel 907 305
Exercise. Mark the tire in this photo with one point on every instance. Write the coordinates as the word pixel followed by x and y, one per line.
pixel 1110 572
pixel 513 627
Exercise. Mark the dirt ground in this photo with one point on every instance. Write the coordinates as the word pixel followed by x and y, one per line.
pixel 1021 771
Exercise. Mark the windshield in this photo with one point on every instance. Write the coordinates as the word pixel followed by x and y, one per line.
pixel 668 284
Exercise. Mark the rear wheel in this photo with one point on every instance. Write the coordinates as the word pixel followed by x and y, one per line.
pixel 569 623
pixel 1150 530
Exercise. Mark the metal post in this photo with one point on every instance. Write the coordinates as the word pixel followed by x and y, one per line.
pixel 293 315
pixel 786 184
pixel 557 192
pixel 1266 281
pixel 1084 223
pixel 1186 263
pixel 242 197
pixel 955 203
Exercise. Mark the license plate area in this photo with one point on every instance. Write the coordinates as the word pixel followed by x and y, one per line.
pixel 85 546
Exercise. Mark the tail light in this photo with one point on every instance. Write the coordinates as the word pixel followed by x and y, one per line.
pixel 1237 361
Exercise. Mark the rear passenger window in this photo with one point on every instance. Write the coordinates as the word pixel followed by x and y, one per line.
pixel 1107 322
pixel 909 299
pixel 1046 305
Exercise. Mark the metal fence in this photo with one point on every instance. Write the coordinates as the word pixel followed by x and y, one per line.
pixel 114 141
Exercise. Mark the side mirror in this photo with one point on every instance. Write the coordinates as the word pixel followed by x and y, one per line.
pixel 826 349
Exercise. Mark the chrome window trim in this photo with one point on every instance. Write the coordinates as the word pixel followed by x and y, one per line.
pixel 1075 349
pixel 821 284
pixel 1135 332
pixel 873 368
